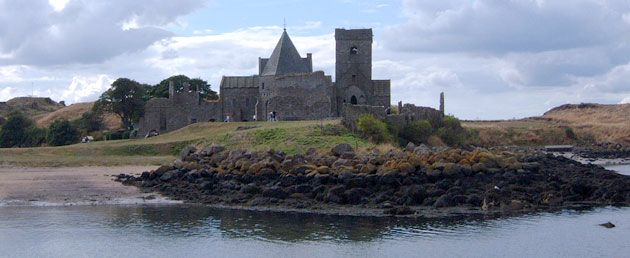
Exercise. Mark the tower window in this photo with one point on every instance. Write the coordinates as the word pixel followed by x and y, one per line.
pixel 354 50
pixel 233 102
pixel 353 100
pixel 354 78
pixel 247 102
pixel 263 85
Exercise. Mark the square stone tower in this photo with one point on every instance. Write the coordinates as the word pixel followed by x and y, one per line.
pixel 353 71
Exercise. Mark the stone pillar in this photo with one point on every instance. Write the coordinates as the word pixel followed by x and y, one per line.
pixel 400 107
pixel 442 103
pixel 171 89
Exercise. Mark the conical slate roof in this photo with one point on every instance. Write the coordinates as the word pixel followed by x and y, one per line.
pixel 285 59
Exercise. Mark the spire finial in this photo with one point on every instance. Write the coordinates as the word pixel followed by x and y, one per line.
pixel 285 24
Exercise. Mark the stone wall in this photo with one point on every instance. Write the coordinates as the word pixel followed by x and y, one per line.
pixel 305 96
pixel 409 113
pixel 165 115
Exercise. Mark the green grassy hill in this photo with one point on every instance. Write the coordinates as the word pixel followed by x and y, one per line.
pixel 290 137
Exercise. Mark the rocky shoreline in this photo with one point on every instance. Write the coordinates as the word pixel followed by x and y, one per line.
pixel 417 181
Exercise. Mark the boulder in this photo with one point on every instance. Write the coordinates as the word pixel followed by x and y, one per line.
pixel 274 192
pixel 184 155
pixel 341 148
pixel 410 147
pixel 212 149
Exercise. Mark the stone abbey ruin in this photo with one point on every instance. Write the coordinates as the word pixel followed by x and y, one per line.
pixel 286 84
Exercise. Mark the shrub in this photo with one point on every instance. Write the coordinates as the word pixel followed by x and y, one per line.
pixel 61 132
pixel 2 120
pixel 117 135
pixel 374 129
pixel 34 137
pixel 417 131
pixel 13 132
pixel 570 133
pixel 451 131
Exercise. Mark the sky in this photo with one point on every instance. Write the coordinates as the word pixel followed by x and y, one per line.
pixel 493 59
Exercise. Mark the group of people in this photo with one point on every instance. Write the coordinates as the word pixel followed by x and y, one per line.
pixel 273 116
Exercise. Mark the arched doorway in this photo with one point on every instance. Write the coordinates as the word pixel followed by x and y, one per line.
pixel 353 100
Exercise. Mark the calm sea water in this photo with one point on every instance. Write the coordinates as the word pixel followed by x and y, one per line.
pixel 197 231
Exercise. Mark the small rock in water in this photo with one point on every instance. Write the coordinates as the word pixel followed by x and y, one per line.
pixel 607 225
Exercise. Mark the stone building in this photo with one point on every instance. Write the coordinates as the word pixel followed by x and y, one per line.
pixel 285 83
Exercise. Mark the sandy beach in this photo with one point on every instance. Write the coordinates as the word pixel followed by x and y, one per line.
pixel 70 186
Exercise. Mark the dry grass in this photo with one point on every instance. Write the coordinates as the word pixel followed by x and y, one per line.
pixel 594 123
pixel 73 112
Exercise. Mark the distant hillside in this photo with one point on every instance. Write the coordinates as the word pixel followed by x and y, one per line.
pixel 75 111
pixel 45 111
pixel 589 122
pixel 30 106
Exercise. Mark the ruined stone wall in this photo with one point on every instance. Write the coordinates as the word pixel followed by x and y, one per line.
pixel 165 115
pixel 409 113
pixel 413 112
pixel 305 96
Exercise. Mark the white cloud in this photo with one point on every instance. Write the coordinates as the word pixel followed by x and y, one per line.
pixel 58 5
pixel 625 100
pixel 84 89
pixel 87 32
pixel 6 94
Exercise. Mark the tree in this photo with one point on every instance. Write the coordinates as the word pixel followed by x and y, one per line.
pixel 61 132
pixel 89 122
pixel 417 131
pixel 161 90
pixel 13 132
pixel 126 98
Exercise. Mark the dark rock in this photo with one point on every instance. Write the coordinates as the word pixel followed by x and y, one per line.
pixel 168 176
pixel 184 155
pixel 348 155
pixel 303 188
pixel 341 148
pixel 333 198
pixel 607 225
pixel 353 196
pixel 213 149
pixel 288 180
pixel 444 201
pixel 274 192
pixel 337 190
pixel 250 189
pixel 403 210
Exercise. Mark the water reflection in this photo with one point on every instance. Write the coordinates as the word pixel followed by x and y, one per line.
pixel 183 220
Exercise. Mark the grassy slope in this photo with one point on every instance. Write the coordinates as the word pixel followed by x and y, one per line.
pixel 30 106
pixel 290 137
pixel 73 112
pixel 590 123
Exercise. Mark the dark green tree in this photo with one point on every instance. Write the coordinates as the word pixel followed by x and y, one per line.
pixel 13 132
pixel 89 122
pixel 126 98
pixel 35 136
pixel 61 132
pixel 161 90
pixel 417 131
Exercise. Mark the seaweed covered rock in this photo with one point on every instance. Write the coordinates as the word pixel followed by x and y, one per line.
pixel 435 178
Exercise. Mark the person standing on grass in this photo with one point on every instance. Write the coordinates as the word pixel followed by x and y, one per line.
pixel 227 119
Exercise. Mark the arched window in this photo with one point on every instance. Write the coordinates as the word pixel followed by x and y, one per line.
pixel 354 50
pixel 353 100
pixel 233 102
